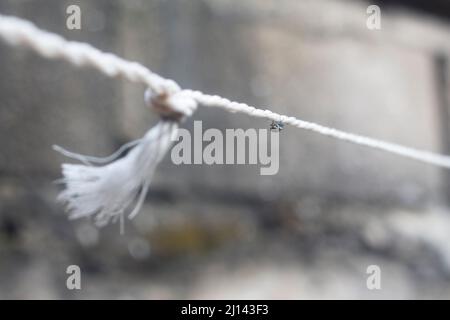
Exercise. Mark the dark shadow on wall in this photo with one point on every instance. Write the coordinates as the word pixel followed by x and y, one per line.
pixel 440 8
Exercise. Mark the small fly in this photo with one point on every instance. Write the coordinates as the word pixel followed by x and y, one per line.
pixel 277 125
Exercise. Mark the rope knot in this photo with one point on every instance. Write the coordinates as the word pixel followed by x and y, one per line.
pixel 173 106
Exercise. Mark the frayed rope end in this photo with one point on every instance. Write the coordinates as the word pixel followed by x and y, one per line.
pixel 109 188
pixel 107 192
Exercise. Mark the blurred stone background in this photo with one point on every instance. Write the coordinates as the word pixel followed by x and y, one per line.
pixel 225 231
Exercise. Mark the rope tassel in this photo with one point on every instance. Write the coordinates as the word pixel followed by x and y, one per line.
pixel 118 187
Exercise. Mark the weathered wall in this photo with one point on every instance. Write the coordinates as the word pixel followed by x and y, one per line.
pixel 369 82
pixel 48 102
pixel 333 208
pixel 330 69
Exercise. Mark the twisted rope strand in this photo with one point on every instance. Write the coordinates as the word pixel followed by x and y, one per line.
pixel 19 32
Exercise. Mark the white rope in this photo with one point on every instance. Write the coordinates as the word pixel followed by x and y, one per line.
pixel 18 32
pixel 416 154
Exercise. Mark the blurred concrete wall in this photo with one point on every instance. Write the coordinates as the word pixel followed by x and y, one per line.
pixel 46 102
pixel 330 69
pixel 313 59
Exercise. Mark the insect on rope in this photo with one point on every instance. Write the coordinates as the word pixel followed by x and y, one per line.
pixel 109 188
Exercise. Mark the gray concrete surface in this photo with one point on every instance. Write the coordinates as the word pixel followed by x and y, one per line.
pixel 225 231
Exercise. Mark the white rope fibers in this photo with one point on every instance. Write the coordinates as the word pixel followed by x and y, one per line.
pixel 108 192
